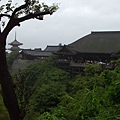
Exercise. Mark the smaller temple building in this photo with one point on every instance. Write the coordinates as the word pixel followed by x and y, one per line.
pixel 38 53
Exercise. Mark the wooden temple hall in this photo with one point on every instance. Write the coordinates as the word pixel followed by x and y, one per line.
pixel 97 47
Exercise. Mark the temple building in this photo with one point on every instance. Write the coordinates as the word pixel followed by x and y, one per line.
pixel 38 53
pixel 96 48
pixel 15 45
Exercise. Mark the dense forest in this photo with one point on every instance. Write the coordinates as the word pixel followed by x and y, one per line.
pixel 46 92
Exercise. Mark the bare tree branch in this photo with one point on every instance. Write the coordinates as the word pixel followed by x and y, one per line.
pixel 34 15
pixel 10 25
pixel 16 21
pixel 5 15
pixel 20 7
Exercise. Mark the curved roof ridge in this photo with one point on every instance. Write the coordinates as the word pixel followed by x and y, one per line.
pixel 98 42
pixel 15 42
pixel 105 32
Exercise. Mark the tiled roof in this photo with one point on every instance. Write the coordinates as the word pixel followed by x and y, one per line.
pixel 66 50
pixel 98 42
pixel 37 53
pixel 52 48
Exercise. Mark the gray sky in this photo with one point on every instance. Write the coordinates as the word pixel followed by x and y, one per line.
pixel 74 19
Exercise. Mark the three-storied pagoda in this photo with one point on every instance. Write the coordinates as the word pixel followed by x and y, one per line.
pixel 15 45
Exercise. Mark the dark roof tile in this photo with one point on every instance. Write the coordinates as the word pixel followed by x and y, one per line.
pixel 98 42
pixel 36 53
pixel 52 48
pixel 15 42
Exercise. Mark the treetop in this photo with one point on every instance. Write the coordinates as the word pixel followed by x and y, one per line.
pixel 30 9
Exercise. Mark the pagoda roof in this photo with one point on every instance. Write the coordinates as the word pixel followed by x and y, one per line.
pixel 15 42
pixel 15 48
pixel 98 42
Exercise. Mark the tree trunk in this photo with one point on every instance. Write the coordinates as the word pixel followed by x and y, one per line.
pixel 9 96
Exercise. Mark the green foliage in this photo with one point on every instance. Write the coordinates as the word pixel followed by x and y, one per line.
pixel 114 92
pixel 92 69
pixel 86 82
pixel 11 57
pixel 40 86
pixel 47 116
pixel 16 14
pixel 31 7
pixel 3 112
pixel 6 8
pixel 49 96
pixel 25 81
pixel 94 96
pixel 109 76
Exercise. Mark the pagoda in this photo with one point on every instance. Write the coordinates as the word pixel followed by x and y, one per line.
pixel 15 45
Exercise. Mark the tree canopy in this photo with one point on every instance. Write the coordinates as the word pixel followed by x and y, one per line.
pixel 19 13
pixel 16 14
pixel 57 96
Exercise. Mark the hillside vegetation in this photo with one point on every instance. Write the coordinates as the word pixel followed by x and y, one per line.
pixel 46 92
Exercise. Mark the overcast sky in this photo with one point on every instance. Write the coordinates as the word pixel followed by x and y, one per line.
pixel 73 20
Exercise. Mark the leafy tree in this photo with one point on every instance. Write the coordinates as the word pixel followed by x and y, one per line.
pixel 16 14
pixel 47 116
pixel 92 69
pixel 48 96
pixel 38 83
pixel 95 96
pixel 25 81
pixel 11 57
pixel 3 112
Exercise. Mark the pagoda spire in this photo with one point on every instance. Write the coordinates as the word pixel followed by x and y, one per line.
pixel 15 35
pixel 15 44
